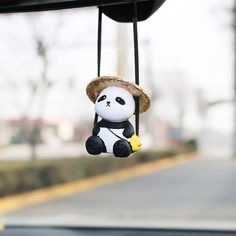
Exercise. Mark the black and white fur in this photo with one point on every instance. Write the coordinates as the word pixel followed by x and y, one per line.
pixel 111 134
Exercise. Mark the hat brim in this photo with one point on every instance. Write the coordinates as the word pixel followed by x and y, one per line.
pixel 96 86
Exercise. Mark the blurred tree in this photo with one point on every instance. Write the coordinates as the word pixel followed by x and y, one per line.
pixel 234 27
pixel 150 117
pixel 41 87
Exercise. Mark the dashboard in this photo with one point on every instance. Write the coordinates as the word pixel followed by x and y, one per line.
pixel 61 231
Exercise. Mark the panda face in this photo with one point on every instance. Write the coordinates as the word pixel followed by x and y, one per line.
pixel 115 104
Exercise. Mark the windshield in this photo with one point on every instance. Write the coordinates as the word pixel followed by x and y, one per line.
pixel 184 176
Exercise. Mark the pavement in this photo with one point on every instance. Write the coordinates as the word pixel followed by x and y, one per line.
pixel 43 151
pixel 201 192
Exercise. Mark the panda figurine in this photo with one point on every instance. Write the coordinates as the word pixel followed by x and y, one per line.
pixel 114 104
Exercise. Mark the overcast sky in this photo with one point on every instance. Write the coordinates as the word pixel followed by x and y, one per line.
pixel 191 44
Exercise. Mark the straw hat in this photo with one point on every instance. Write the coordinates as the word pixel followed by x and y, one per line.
pixel 96 86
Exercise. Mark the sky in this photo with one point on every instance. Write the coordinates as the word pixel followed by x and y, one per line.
pixel 190 45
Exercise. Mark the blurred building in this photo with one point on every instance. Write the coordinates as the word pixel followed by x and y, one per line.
pixel 50 131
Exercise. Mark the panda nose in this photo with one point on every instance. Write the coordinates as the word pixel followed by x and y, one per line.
pixel 108 103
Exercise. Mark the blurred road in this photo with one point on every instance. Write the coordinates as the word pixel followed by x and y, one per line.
pixel 200 191
pixel 22 152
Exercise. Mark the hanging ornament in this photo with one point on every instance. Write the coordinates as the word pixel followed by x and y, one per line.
pixel 114 100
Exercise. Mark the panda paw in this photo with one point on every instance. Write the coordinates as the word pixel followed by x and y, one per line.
pixel 122 148
pixel 95 146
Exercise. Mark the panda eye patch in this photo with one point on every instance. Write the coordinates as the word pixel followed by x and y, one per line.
pixel 120 100
pixel 102 98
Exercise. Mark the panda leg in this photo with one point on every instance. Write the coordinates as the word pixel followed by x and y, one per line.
pixel 95 145
pixel 122 148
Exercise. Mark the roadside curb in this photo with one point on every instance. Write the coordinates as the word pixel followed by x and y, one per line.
pixel 17 202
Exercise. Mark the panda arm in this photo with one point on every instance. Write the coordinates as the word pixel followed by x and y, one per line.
pixel 96 129
pixel 129 130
